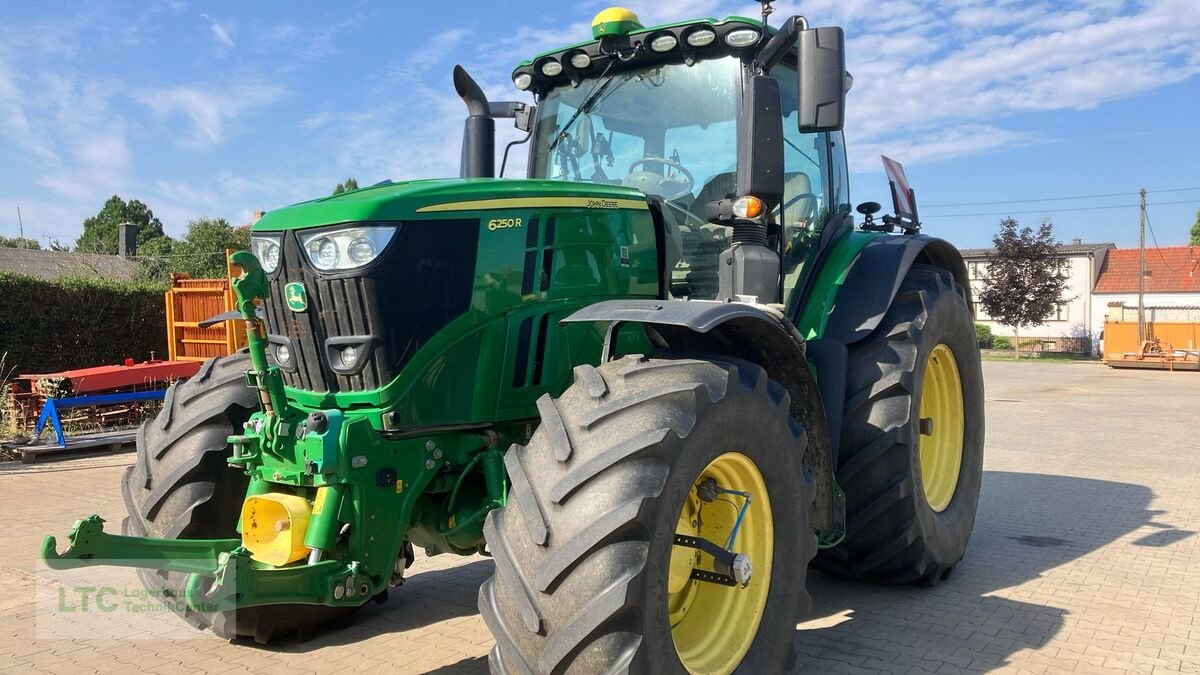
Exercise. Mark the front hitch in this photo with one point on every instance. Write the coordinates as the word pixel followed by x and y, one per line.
pixel 90 545
pixel 223 576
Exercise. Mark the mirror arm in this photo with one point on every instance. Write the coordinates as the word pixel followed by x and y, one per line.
pixel 781 43
pixel 522 113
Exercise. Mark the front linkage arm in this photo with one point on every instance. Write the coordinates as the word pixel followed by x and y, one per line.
pixel 223 577
pixel 89 545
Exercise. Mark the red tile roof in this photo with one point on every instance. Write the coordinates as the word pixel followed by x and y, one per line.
pixel 1171 269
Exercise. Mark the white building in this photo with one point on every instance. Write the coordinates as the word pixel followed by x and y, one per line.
pixel 1073 326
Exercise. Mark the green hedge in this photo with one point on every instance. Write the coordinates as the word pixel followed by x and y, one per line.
pixel 47 326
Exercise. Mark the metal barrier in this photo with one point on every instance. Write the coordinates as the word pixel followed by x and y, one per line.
pixel 190 301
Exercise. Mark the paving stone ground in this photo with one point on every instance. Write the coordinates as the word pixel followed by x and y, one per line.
pixel 1085 558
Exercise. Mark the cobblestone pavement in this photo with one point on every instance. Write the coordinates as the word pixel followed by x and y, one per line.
pixel 1085 558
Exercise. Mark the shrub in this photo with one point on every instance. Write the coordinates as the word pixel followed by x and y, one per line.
pixel 1001 343
pixel 47 326
pixel 983 335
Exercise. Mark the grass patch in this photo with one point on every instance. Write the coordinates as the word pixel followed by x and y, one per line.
pixel 1040 357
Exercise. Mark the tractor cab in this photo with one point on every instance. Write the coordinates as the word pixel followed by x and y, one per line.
pixel 666 110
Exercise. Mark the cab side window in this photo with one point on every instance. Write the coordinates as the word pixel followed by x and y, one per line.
pixel 807 166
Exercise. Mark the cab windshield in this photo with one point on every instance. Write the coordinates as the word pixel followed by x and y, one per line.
pixel 670 130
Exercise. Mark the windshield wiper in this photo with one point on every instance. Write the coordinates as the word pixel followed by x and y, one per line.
pixel 589 101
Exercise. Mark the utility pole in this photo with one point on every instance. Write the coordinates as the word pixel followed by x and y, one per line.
pixel 1142 270
pixel 21 225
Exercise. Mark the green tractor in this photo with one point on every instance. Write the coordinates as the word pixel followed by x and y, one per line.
pixel 655 380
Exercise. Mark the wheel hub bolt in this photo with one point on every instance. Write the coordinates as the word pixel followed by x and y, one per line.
pixel 925 426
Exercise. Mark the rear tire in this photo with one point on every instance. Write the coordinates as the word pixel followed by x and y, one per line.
pixel 903 526
pixel 585 548
pixel 181 487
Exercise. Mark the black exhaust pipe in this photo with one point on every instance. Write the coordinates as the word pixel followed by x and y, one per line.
pixel 479 133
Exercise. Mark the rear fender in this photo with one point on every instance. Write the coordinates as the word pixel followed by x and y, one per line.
pixel 752 332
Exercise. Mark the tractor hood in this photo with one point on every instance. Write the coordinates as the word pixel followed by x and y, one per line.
pixel 432 199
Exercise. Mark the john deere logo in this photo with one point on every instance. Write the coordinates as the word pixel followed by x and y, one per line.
pixel 297 299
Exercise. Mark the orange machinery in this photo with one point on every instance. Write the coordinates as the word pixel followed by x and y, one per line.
pixel 1168 346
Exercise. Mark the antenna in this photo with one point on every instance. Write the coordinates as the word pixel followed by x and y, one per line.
pixel 767 10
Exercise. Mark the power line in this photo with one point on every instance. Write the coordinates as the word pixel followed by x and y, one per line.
pixel 1040 211
pixel 1158 247
pixel 157 256
pixel 1056 199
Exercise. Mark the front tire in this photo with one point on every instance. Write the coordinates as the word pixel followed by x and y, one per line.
pixel 181 487
pixel 911 457
pixel 588 578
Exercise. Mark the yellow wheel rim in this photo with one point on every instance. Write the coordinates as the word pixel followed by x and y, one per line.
pixel 712 625
pixel 941 428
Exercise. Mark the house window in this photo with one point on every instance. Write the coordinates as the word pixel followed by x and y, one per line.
pixel 1059 313
pixel 977 270
pixel 980 313
pixel 1064 267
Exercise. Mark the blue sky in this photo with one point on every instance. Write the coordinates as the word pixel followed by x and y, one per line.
pixel 222 108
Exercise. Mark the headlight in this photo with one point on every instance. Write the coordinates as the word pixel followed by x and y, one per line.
pixel 362 250
pixel 523 81
pixel 551 68
pixel 283 355
pixel 346 249
pixel 265 247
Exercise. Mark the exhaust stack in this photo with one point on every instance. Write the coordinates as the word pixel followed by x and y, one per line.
pixel 479 132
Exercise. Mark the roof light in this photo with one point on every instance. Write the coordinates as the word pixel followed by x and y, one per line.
pixel 523 81
pixel 743 37
pixel 664 43
pixel 580 60
pixel 702 37
pixel 748 207
pixel 551 68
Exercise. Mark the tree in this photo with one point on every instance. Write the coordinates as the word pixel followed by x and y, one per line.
pixel 1023 284
pixel 19 242
pixel 350 184
pixel 201 253
pixel 100 231
pixel 1195 241
pixel 156 261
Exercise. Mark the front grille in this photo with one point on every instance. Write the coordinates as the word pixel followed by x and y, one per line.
pixel 422 282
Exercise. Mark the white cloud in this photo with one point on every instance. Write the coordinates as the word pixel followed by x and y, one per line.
pixel 211 107
pixel 221 32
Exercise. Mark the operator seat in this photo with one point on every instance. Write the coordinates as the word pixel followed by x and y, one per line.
pixel 720 186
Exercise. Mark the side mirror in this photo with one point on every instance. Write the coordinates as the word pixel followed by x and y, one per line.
pixel 760 142
pixel 822 104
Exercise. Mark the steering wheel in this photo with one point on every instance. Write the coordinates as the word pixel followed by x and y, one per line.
pixel 685 188
pixel 795 248
pixel 812 205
